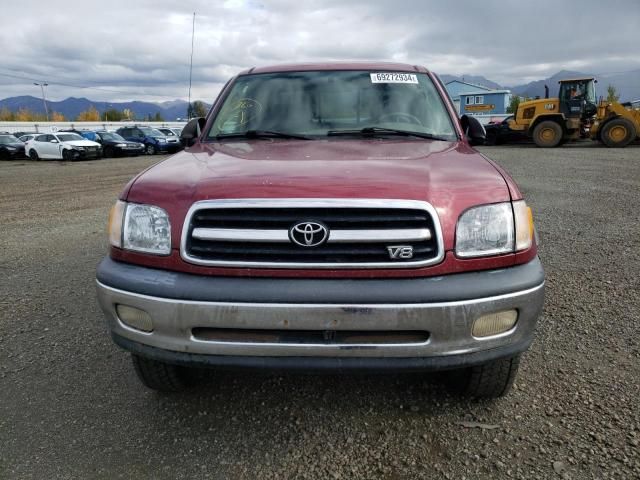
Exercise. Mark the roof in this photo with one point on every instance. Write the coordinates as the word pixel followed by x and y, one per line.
pixel 324 66
pixel 467 83
pixel 485 92
pixel 575 79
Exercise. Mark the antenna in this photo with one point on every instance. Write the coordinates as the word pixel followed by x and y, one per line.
pixel 193 33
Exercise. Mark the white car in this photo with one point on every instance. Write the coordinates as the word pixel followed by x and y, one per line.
pixel 62 145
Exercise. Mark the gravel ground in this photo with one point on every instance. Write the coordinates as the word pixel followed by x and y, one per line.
pixel 71 407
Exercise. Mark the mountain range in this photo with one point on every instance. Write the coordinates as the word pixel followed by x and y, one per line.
pixel 72 107
pixel 627 85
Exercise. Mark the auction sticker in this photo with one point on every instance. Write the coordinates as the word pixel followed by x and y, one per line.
pixel 390 77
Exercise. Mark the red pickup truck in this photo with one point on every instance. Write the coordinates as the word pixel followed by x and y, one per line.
pixel 325 217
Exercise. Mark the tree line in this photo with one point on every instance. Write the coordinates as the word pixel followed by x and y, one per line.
pixel 90 115
pixel 195 109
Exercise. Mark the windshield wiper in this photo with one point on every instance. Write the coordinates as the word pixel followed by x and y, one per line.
pixel 369 131
pixel 260 134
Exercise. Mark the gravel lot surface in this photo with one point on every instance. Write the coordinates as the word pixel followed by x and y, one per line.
pixel 71 406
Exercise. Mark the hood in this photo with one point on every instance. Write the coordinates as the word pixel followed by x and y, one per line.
pixel 449 175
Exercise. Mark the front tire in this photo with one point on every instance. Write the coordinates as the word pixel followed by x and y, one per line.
pixel 109 152
pixel 618 133
pixel 547 134
pixel 150 150
pixel 159 376
pixel 66 156
pixel 490 380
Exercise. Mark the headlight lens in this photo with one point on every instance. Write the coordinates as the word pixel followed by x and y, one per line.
pixel 142 228
pixel 121 145
pixel 494 229
pixel 485 230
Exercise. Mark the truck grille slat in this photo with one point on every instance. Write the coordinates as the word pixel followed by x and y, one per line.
pixel 213 248
pixel 258 233
pixel 261 218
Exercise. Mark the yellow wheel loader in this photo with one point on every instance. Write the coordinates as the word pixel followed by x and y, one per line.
pixel 552 121
pixel 617 124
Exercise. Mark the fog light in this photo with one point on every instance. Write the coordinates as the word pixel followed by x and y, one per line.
pixel 135 318
pixel 494 323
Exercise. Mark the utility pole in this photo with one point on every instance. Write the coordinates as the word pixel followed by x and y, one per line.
pixel 193 32
pixel 44 99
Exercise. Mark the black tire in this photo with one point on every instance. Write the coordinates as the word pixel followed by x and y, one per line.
pixel 618 133
pixel 150 150
pixel 547 134
pixel 33 155
pixel 66 156
pixel 489 380
pixel 491 139
pixel 4 155
pixel 160 376
pixel 108 152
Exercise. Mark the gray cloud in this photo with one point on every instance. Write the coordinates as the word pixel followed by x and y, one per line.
pixel 141 49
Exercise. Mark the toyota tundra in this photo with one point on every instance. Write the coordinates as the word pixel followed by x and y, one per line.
pixel 325 217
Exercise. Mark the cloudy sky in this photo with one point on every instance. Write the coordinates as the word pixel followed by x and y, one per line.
pixel 140 49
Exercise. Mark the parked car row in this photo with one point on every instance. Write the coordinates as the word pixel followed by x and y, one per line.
pixel 87 144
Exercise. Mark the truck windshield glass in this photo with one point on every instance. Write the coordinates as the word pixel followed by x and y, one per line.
pixel 315 104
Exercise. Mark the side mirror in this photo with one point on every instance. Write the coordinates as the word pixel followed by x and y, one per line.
pixel 192 131
pixel 53 141
pixel 476 134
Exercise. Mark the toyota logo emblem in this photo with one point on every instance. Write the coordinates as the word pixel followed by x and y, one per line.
pixel 308 234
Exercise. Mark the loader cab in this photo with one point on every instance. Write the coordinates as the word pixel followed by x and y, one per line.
pixel 578 97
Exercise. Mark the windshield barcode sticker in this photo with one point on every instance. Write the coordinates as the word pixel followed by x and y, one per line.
pixel 388 77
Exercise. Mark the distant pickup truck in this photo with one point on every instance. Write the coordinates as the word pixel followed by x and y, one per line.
pixel 325 217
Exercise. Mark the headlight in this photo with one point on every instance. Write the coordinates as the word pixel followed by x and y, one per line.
pixel 142 228
pixel 78 148
pixel 9 147
pixel 121 145
pixel 161 140
pixel 494 229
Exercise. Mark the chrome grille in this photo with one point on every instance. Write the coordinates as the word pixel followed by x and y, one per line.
pixel 360 233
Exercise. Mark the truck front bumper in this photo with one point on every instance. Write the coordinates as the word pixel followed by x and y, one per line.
pixel 259 322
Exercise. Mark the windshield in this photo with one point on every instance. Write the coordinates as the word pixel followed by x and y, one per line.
pixel 578 90
pixel 69 137
pixel 151 132
pixel 112 136
pixel 326 102
pixel 7 139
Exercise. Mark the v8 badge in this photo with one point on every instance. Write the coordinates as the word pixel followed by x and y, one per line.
pixel 400 252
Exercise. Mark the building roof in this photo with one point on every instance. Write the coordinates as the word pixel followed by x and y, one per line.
pixel 320 66
pixel 475 85
pixel 485 92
